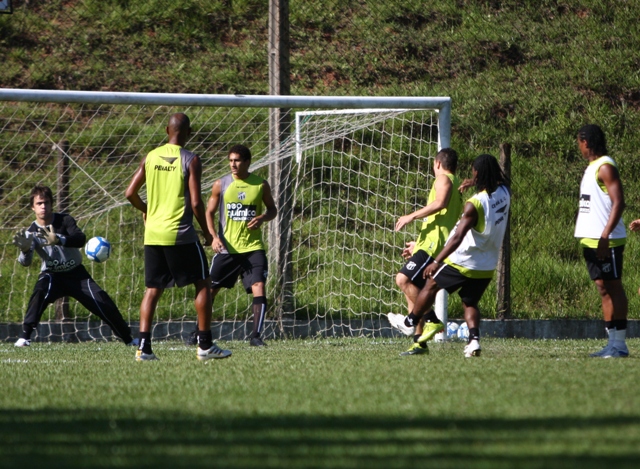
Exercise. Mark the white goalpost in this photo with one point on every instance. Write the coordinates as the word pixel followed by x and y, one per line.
pixel 358 164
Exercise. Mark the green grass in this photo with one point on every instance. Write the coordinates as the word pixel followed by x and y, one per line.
pixel 329 403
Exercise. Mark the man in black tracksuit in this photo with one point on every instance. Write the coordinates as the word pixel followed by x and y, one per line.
pixel 56 238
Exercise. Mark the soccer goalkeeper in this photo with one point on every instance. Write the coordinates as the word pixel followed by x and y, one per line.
pixel 56 238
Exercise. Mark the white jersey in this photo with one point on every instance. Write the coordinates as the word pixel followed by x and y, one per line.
pixel 477 255
pixel 595 205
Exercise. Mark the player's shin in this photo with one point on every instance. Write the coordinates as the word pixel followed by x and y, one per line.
pixel 259 308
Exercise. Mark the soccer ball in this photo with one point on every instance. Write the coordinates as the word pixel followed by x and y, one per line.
pixel 463 331
pixel 98 249
pixel 452 330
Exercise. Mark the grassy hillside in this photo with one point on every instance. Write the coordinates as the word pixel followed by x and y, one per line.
pixel 528 73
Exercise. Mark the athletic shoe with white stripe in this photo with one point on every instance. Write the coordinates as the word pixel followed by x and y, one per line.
pixel 213 352
pixel 144 357
pixel 397 322
pixel 472 349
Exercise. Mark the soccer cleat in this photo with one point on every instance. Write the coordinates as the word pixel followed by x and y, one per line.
pixel 397 322
pixel 134 343
pixel 257 342
pixel 601 353
pixel 615 352
pixel 472 349
pixel 430 330
pixel 22 343
pixel 213 352
pixel 143 357
pixel 416 349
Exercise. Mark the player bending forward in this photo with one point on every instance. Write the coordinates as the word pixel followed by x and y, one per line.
pixel 441 214
pixel 240 199
pixel 469 258
pixel 56 238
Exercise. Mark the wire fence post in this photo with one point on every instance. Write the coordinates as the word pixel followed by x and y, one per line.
pixel 503 278
pixel 280 170
pixel 62 304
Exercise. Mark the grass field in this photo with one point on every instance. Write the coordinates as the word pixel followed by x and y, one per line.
pixel 329 403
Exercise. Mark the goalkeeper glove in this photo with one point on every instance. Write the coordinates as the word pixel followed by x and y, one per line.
pixel 49 236
pixel 20 239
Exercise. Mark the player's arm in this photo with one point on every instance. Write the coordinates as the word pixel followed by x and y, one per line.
pixel 610 177
pixel 212 207
pixel 468 220
pixel 443 187
pixel 195 188
pixel 270 212
pixel 136 183
pixel 71 235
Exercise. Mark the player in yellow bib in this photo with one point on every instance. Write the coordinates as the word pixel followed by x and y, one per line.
pixel 243 203
pixel 468 259
pixel 173 254
pixel 441 213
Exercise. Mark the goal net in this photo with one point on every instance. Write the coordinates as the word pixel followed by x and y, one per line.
pixel 353 173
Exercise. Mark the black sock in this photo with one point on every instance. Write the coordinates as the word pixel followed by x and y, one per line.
pixel 619 324
pixel 259 308
pixel 474 333
pixel 205 341
pixel 609 325
pixel 27 329
pixel 411 320
pixel 431 317
pixel 416 337
pixel 145 342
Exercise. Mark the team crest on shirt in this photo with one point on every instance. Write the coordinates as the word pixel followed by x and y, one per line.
pixel 242 195
pixel 585 203
pixel 411 265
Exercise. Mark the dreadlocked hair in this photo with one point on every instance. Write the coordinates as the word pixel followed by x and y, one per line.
pixel 594 136
pixel 489 174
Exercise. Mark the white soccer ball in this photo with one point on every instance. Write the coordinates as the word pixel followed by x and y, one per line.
pixel 98 249
pixel 452 330
pixel 463 331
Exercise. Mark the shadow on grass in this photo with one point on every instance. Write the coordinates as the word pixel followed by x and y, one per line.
pixel 88 438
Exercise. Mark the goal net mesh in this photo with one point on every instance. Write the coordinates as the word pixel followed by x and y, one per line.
pixel 353 174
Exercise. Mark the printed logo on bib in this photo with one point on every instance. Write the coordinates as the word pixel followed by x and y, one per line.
pixel 242 195
pixel 239 212
pixel 55 265
pixel 585 203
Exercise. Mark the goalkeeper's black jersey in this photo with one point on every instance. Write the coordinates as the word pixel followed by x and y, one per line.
pixel 62 257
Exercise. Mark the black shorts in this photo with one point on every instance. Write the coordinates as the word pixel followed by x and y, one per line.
pixel 251 266
pixel 181 265
pixel 471 289
pixel 415 266
pixel 608 269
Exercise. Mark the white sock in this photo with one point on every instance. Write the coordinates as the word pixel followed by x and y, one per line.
pixel 619 339
pixel 612 336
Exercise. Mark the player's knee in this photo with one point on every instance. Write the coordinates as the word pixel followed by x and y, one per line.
pixel 402 280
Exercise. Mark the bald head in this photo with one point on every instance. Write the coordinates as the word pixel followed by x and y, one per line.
pixel 179 128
